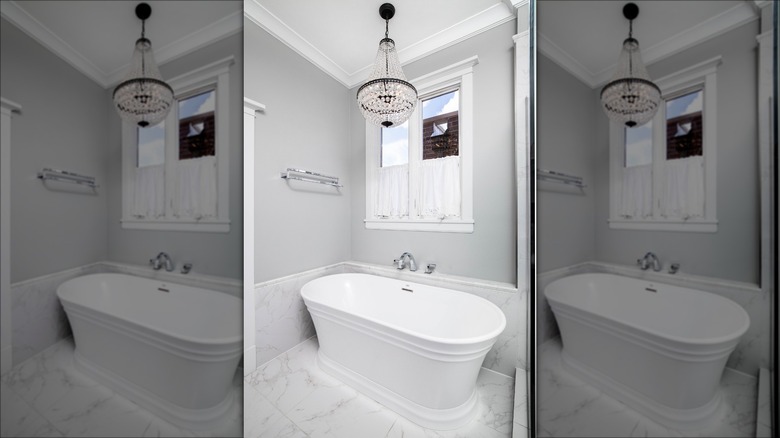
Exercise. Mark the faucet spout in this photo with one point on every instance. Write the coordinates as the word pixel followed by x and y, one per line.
pixel 400 262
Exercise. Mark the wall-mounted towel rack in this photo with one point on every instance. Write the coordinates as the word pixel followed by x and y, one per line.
pixel 64 176
pixel 312 177
pixel 559 177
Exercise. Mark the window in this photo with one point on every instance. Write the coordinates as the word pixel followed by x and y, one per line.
pixel 662 174
pixel 175 174
pixel 419 174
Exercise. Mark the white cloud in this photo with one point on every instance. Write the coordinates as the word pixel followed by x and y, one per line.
pixel 207 105
pixel 395 152
pixel 695 105
pixel 452 105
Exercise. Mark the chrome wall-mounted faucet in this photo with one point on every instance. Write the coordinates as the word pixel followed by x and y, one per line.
pixel 645 262
pixel 400 262
pixel 161 260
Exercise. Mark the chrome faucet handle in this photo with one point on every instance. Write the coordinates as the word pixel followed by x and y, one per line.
pixel 642 263
pixel 399 263
pixel 186 268
pixel 155 262
pixel 674 268
pixel 430 268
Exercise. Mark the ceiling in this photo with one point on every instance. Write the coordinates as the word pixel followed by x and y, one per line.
pixel 97 37
pixel 342 38
pixel 585 37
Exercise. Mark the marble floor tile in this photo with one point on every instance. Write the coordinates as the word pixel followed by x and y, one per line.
pixel 291 395
pixel 71 404
pixel 569 407
pixel 19 419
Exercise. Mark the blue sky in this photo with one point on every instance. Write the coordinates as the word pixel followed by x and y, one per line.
pixel 395 141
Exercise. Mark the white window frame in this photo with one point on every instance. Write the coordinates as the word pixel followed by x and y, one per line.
pixel 703 76
pixel 458 76
pixel 212 76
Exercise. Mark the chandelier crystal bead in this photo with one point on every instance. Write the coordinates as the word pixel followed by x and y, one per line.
pixel 143 97
pixel 387 98
pixel 630 97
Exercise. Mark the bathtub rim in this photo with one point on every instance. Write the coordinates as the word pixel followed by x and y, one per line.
pixel 493 334
pixel 70 304
pixel 553 302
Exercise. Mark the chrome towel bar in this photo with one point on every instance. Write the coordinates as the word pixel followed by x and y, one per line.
pixel 312 177
pixel 64 176
pixel 559 177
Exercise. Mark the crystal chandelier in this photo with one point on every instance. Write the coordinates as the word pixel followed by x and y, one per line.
pixel 143 97
pixel 387 99
pixel 630 97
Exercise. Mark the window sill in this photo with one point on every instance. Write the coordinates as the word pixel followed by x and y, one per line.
pixel 693 226
pixel 206 226
pixel 434 225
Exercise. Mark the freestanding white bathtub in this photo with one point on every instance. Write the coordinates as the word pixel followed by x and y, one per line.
pixel 170 348
pixel 416 349
pixel 659 349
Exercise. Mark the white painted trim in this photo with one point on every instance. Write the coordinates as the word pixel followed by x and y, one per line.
pixel 727 20
pixel 251 108
pixel 11 11
pixel 442 226
pixel 705 74
pixel 215 74
pixel 664 225
pixel 221 28
pixel 269 22
pixel 474 25
pixel 458 75
pixel 565 61
pixel 177 225
pixel 7 110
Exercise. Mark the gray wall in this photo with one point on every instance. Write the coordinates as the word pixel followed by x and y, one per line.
pixel 490 252
pixel 298 225
pixel 733 252
pixel 218 254
pixel 566 115
pixel 62 126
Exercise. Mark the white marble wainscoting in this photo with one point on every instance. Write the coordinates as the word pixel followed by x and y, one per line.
pixel 520 416
pixel 569 407
pixel 764 409
pixel 753 349
pixel 291 397
pixel 281 318
pixel 46 396
pixel 509 351
pixel 38 320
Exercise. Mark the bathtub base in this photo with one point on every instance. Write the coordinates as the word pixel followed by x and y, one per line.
pixel 191 419
pixel 696 419
pixel 438 419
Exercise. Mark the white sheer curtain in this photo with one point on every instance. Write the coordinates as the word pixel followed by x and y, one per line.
pixel 440 187
pixel 683 194
pixel 636 200
pixel 149 192
pixel 195 191
pixel 392 198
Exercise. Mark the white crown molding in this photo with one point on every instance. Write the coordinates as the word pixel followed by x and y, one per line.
pixel 269 22
pixel 515 4
pixel 732 18
pixel 467 28
pixel 221 28
pixel 32 27
pixel 563 59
